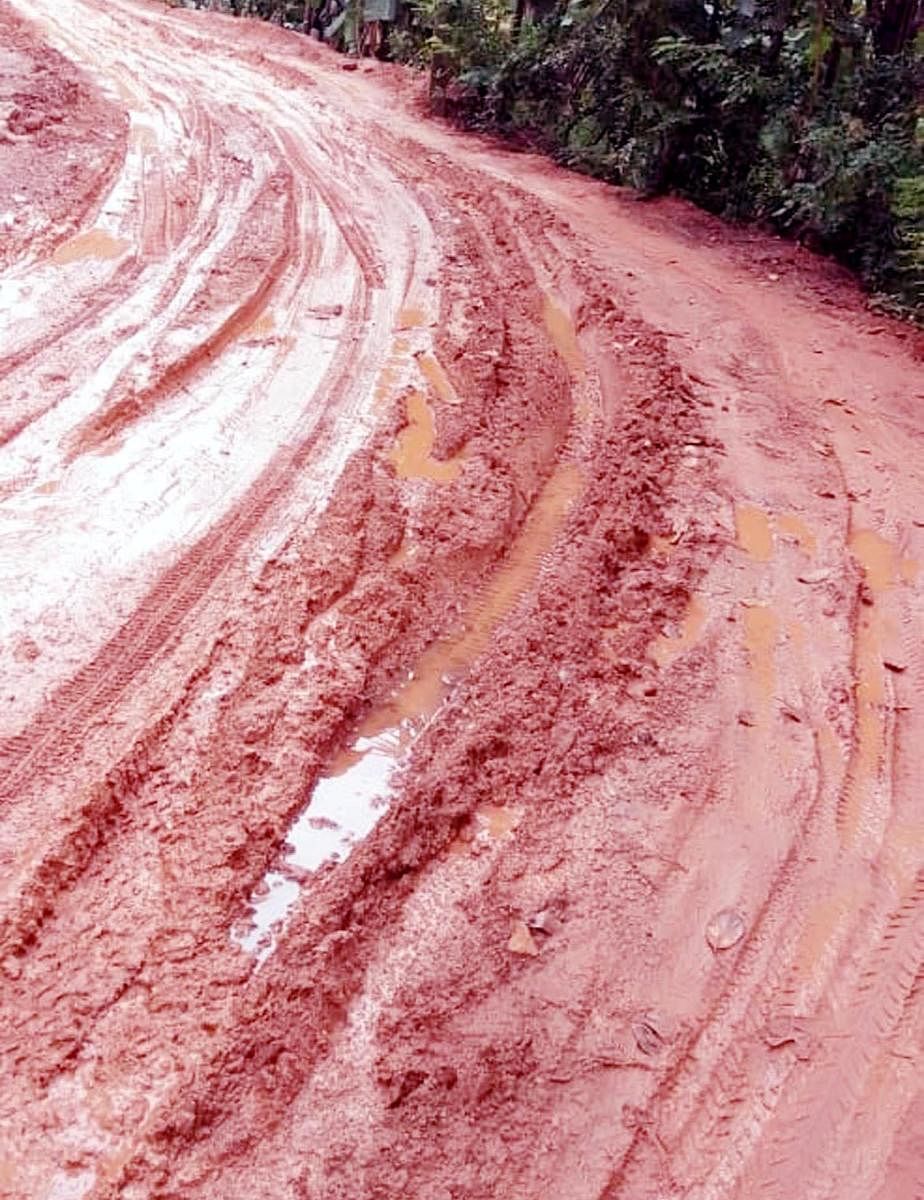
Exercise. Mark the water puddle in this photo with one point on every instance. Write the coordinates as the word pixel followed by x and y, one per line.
pixel 794 527
pixel 262 327
pixel 560 329
pixel 95 243
pixel 882 569
pixel 445 660
pixel 755 535
pixel 876 556
pixel 665 649
pixel 411 317
pixel 353 794
pixel 412 452
pixel 345 806
pixel 881 562
pixel 438 379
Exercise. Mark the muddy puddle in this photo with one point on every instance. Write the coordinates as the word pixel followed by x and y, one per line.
pixel 263 326
pixel 755 533
pixel 346 803
pixel 792 526
pixel 412 455
pixel 94 244
pixel 354 792
pixel 561 331
pixel 432 370
pixel 883 568
pixel 882 563
pixel 412 316
pixel 446 660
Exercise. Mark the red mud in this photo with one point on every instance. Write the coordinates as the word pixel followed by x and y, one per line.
pixel 339 422
pixel 60 140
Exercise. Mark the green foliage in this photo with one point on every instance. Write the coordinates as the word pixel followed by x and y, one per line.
pixel 469 35
pixel 909 257
pixel 787 112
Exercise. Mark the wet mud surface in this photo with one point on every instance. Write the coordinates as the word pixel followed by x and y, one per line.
pixel 461 640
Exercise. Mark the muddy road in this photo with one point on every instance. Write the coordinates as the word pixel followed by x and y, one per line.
pixel 461 641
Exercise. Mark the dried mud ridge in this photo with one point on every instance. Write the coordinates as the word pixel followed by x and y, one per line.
pixel 336 448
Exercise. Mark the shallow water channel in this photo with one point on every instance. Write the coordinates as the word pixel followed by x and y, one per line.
pixel 345 805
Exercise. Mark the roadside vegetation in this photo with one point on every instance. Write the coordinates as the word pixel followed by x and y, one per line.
pixel 801 115
pixel 804 115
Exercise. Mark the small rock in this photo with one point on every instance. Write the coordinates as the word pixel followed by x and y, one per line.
pixel 349 66
pixel 647 1038
pixel 892 665
pixel 818 576
pixel 521 940
pixel 545 921
pixel 725 929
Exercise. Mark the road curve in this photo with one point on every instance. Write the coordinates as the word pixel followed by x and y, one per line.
pixel 463 637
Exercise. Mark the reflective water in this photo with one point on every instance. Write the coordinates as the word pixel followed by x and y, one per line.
pixel 345 806
pixel 353 794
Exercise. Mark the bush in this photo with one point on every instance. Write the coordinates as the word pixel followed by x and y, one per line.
pixel 784 115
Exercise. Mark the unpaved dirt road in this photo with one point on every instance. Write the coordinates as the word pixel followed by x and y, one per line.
pixel 461 640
